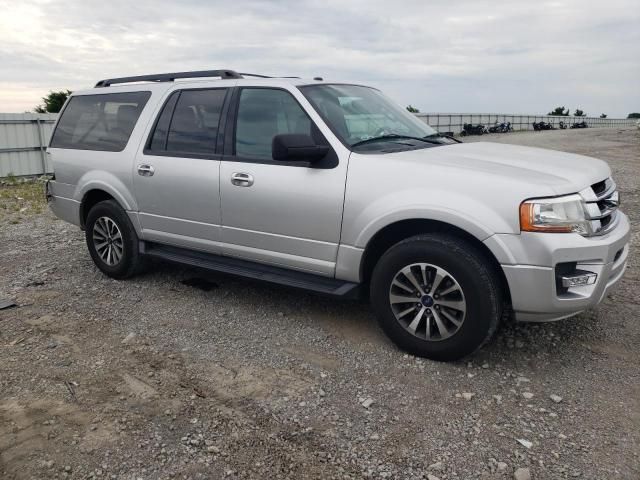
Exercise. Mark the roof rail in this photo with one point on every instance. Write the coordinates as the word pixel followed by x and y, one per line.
pixel 254 75
pixel 261 76
pixel 170 77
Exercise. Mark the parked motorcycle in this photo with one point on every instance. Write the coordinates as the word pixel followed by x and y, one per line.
pixel 469 129
pixel 501 127
pixel 581 124
pixel 562 125
pixel 537 126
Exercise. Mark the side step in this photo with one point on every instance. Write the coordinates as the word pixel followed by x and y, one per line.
pixel 244 268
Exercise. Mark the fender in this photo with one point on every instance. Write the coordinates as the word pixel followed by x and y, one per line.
pixel 102 180
pixel 395 207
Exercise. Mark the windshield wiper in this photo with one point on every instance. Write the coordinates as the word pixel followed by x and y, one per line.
pixel 440 135
pixel 394 136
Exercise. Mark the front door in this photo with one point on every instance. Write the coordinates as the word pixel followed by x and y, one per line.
pixel 177 173
pixel 282 213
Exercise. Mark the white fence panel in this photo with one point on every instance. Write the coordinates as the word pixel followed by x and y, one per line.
pixel 24 136
pixel 454 122
pixel 23 140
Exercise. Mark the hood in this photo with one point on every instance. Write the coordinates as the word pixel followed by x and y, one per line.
pixel 559 171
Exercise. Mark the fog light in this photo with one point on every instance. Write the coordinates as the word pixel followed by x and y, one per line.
pixel 579 279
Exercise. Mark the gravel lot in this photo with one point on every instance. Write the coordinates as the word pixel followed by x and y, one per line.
pixel 164 376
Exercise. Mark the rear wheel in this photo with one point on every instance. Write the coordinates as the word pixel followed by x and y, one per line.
pixel 436 296
pixel 112 240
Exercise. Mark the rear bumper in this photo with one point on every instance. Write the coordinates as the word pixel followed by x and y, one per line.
pixel 533 280
pixel 66 209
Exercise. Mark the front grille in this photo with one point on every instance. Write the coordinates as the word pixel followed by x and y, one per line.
pixel 601 206
pixel 600 187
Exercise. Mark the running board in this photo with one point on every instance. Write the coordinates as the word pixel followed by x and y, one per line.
pixel 257 271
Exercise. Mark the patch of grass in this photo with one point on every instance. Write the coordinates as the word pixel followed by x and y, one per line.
pixel 19 199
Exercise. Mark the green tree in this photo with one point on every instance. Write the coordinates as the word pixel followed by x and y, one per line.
pixel 579 113
pixel 633 115
pixel 53 102
pixel 412 109
pixel 603 115
pixel 559 111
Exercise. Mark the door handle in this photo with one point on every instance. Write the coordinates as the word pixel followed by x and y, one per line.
pixel 241 179
pixel 146 170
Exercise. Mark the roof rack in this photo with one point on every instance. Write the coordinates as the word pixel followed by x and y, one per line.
pixel 170 77
pixel 254 75
pixel 260 76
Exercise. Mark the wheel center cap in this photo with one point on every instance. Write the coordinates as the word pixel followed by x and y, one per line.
pixel 427 301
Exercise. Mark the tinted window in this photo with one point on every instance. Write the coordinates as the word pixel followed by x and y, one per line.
pixel 99 122
pixel 264 113
pixel 194 122
pixel 159 138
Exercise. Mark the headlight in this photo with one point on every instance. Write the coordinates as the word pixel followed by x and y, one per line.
pixel 559 215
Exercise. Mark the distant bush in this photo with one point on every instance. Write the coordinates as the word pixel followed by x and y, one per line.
pixel 559 111
pixel 53 102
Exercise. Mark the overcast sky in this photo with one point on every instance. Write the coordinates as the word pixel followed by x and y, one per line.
pixel 438 55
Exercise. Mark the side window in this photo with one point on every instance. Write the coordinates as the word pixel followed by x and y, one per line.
pixel 189 122
pixel 99 122
pixel 159 138
pixel 264 113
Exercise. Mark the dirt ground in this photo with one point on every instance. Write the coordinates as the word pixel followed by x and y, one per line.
pixel 180 374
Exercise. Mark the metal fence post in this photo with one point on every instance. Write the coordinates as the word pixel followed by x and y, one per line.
pixel 43 153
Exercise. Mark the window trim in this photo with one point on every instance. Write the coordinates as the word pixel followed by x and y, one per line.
pixel 68 102
pixel 229 152
pixel 216 155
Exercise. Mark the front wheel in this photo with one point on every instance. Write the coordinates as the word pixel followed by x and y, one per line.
pixel 112 240
pixel 436 296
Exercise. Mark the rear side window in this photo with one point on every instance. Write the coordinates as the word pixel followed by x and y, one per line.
pixel 188 123
pixel 99 122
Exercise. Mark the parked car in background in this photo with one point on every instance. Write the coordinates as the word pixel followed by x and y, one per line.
pixel 334 188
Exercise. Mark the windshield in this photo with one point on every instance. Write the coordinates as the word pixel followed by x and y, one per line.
pixel 358 114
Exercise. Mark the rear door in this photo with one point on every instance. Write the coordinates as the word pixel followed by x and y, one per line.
pixel 176 175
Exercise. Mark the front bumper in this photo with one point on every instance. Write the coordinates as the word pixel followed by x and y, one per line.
pixel 529 263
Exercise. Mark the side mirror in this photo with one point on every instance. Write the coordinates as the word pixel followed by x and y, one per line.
pixel 295 146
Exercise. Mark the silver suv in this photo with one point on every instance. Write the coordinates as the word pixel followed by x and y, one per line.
pixel 334 188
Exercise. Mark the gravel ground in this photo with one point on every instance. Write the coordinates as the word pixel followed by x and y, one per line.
pixel 180 374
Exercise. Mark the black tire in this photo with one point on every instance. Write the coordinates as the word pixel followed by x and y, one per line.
pixel 463 133
pixel 130 261
pixel 476 277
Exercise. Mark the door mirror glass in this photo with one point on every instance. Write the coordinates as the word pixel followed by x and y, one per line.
pixel 297 146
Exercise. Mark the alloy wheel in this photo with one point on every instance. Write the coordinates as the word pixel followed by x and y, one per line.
pixel 427 301
pixel 107 241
